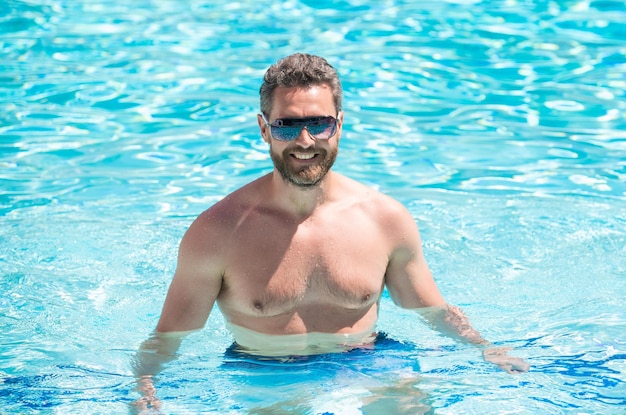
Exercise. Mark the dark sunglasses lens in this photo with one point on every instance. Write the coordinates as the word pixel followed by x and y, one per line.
pixel 323 129
pixel 285 133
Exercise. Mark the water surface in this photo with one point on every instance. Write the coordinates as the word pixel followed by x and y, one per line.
pixel 499 124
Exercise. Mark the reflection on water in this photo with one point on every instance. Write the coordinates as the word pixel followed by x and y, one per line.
pixel 500 125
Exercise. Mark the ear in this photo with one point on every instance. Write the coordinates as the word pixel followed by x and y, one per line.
pixel 265 132
pixel 339 124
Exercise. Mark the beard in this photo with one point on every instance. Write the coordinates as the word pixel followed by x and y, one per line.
pixel 304 177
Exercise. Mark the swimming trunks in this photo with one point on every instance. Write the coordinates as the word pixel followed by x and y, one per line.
pixel 331 383
pixel 385 354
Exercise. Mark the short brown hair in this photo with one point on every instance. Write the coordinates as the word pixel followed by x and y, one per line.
pixel 299 70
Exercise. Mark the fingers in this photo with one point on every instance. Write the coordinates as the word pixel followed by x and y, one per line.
pixel 510 364
pixel 518 365
pixel 146 406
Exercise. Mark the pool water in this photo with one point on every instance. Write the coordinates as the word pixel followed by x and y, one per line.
pixel 499 124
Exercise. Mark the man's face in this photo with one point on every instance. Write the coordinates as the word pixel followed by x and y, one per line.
pixel 304 161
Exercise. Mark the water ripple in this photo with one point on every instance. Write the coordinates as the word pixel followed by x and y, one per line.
pixel 499 124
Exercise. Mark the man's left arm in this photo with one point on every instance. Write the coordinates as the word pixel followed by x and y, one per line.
pixel 452 322
pixel 411 285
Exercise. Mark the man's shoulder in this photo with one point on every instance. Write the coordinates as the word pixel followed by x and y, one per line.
pixel 368 194
pixel 229 210
pixel 375 203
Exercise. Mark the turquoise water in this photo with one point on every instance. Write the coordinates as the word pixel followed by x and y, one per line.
pixel 499 124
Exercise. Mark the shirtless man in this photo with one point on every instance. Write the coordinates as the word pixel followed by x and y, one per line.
pixel 297 260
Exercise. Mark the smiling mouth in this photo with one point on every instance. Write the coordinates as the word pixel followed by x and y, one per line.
pixel 304 156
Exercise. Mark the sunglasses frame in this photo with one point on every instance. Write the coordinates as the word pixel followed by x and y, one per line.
pixel 299 122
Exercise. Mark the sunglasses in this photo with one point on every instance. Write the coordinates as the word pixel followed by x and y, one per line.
pixel 288 129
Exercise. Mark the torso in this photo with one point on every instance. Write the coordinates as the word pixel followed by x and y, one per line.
pixel 323 273
pixel 257 343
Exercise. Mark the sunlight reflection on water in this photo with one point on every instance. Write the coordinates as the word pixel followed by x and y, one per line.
pixel 499 124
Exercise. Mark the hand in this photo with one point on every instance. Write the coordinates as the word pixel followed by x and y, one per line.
pixel 510 364
pixel 148 404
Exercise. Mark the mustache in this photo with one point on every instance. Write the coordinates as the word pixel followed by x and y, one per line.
pixel 304 150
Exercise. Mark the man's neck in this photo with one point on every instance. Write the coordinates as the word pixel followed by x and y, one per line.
pixel 300 201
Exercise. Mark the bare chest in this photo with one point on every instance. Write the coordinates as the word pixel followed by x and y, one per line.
pixel 287 271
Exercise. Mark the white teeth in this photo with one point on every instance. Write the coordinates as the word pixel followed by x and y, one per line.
pixel 306 156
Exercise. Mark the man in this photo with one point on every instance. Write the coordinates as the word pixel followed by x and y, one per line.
pixel 297 260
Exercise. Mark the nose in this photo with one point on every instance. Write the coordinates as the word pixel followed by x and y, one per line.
pixel 305 139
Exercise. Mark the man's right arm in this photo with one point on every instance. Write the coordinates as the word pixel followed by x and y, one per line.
pixel 190 298
pixel 187 306
pixel 197 281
